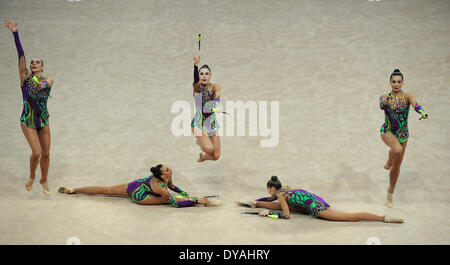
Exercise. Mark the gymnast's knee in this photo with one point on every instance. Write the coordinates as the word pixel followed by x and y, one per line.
pixel 396 150
pixel 209 149
pixel 45 154
pixel 35 153
pixel 353 217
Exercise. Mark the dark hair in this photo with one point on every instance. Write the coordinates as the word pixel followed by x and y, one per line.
pixel 157 171
pixel 205 66
pixel 274 182
pixel 396 72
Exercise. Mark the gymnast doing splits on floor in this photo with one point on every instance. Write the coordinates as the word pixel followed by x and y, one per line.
pixel 152 190
pixel 298 200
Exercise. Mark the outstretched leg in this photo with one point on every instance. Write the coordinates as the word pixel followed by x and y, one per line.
pixel 152 200
pixel 268 205
pixel 333 215
pixel 120 190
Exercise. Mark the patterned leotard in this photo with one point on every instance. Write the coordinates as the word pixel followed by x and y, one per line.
pixel 35 113
pixel 396 116
pixel 204 119
pixel 312 203
pixel 141 189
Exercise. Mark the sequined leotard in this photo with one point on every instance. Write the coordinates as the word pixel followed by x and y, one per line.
pixel 34 113
pixel 312 203
pixel 141 189
pixel 205 101
pixel 396 116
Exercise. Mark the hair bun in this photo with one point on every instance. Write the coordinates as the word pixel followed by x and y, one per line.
pixel 396 71
pixel 274 178
pixel 152 169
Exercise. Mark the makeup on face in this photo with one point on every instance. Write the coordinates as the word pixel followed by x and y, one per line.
pixel 166 170
pixel 35 62
pixel 204 75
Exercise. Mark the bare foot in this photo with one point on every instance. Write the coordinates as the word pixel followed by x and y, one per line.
pixel 200 158
pixel 46 191
pixel 29 184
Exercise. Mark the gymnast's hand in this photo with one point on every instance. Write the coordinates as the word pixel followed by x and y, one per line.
pixel 12 26
pixel 197 60
pixel 43 85
pixel 425 115
pixel 389 99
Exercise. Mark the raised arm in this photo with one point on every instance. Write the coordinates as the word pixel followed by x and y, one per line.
pixel 196 78
pixel 21 55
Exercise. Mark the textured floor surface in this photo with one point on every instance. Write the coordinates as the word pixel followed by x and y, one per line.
pixel 120 66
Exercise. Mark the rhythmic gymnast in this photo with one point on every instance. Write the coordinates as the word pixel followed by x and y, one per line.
pixel 204 124
pixel 298 200
pixel 150 190
pixel 35 117
pixel 394 131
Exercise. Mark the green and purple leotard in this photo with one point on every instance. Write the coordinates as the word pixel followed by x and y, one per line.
pixel 312 203
pixel 205 104
pixel 34 114
pixel 396 116
pixel 141 189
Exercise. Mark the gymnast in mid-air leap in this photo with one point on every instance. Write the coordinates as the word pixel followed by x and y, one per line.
pixel 34 120
pixel 204 124
pixel 150 190
pixel 298 200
